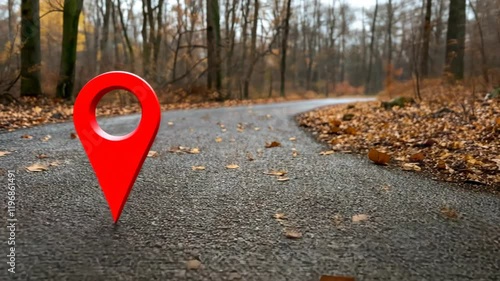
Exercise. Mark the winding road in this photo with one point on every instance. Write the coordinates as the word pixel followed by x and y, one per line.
pixel 225 218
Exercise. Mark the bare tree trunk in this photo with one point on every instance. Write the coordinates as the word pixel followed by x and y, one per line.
pixel 30 50
pixel 71 15
pixel 368 87
pixel 484 59
pixel 117 60
pixel 10 12
pixel 157 38
pixel 104 46
pixel 284 47
pixel 455 39
pixel 146 44
pixel 214 75
pixel 253 42
pixel 244 35
pixel 343 42
pixel 230 42
pixel 424 65
pixel 127 39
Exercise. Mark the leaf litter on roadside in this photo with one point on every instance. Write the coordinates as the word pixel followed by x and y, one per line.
pixel 453 146
pixel 37 167
pixel 4 153
pixel 292 234
pixel 273 144
pixel 360 218
pixel 153 154
pixel 379 158
pixel 232 167
pixel 198 168
pixel 184 150
pixel 449 212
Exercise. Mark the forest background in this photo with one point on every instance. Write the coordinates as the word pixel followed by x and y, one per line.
pixel 240 49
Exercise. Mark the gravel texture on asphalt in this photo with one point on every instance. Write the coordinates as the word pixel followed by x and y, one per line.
pixel 224 218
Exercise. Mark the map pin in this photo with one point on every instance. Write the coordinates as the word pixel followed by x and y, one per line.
pixel 116 160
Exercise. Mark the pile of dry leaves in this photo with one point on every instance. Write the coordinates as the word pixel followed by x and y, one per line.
pixel 29 112
pixel 456 142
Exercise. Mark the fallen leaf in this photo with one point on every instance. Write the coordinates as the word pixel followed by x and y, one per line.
pixel 195 150
pixel 280 216
pixel 275 173
pixel 441 165
pixel 273 144
pixel 411 167
pixel 46 138
pixel 256 129
pixel 417 157
pixel 283 179
pixel 293 234
pixel 218 139
pixel 350 131
pixel 3 153
pixel 295 153
pixel 42 156
pixel 449 212
pixel 73 136
pixel 232 166
pixel 55 164
pixel 293 139
pixel 153 154
pixel 250 156
pixel 37 109
pixel 378 157
pixel 170 123
pixel 359 218
pixel 198 168
pixel 28 137
pixel 337 219
pixel 193 264
pixel 325 153
pixel 335 123
pixel 37 168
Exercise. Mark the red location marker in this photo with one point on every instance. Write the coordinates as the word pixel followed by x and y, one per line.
pixel 116 160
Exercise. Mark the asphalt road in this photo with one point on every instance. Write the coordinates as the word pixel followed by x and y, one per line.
pixel 224 218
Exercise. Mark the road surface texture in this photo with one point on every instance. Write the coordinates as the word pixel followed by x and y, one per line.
pixel 224 218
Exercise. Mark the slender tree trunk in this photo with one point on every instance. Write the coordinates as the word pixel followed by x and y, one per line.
pixel 71 15
pixel 146 44
pixel 104 46
pixel 424 65
pixel 127 39
pixel 214 75
pixel 30 50
pixel 116 37
pixel 484 58
pixel 230 42
pixel 284 47
pixel 368 88
pixel 253 42
pixel 10 12
pixel 455 39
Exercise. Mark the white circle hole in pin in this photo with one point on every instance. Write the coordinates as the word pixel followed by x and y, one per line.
pixel 114 103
